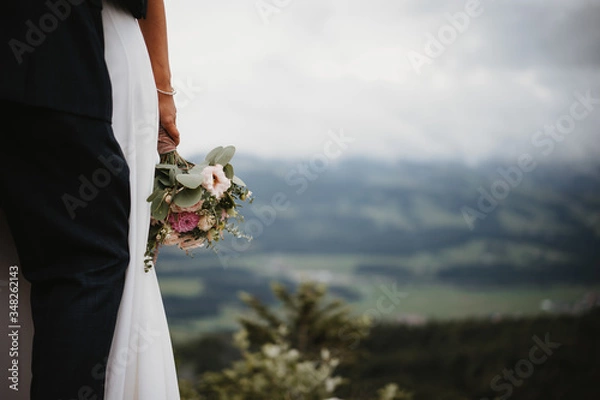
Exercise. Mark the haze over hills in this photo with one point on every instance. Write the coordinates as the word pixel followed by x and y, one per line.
pixel 551 216
pixel 358 222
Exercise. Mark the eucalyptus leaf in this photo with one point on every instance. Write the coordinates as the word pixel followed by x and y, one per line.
pixel 225 155
pixel 228 170
pixel 158 185
pixel 172 174
pixel 210 157
pixel 166 167
pixel 162 172
pixel 165 180
pixel 198 168
pixel 238 181
pixel 190 181
pixel 159 208
pixel 188 197
pixel 155 194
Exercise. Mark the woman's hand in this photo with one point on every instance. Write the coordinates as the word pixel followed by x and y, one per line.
pixel 168 116
pixel 154 30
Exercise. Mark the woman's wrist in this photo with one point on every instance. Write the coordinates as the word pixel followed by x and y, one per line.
pixel 171 92
pixel 162 78
pixel 164 86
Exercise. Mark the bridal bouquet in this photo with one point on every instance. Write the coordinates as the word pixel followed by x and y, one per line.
pixel 193 204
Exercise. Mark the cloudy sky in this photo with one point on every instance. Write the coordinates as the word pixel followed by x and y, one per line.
pixel 274 77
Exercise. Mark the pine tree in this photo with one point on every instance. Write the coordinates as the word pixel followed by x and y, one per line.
pixel 313 322
pixel 292 354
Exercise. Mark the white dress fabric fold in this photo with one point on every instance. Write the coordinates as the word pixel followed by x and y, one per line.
pixel 141 364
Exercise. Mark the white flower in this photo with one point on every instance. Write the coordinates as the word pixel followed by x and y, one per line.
pixel 215 180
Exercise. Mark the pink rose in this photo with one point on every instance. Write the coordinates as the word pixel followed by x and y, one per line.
pixel 183 222
pixel 215 180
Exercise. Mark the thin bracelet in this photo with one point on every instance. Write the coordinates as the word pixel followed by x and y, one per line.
pixel 173 93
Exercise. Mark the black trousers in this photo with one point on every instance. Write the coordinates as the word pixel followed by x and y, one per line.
pixel 64 185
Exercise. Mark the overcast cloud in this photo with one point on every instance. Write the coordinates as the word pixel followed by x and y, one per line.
pixel 276 88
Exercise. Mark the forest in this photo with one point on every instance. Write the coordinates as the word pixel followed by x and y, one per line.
pixel 542 357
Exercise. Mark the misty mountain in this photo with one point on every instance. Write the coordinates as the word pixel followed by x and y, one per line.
pixel 547 216
pixel 402 222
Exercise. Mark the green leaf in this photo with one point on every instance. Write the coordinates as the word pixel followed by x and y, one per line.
pixel 159 185
pixel 190 181
pixel 198 168
pixel 165 167
pixel 227 201
pixel 225 155
pixel 228 169
pixel 159 208
pixel 165 180
pixel 161 172
pixel 172 173
pixel 188 197
pixel 155 194
pixel 212 155
pixel 238 181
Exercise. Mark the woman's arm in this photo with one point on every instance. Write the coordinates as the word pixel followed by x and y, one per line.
pixel 154 30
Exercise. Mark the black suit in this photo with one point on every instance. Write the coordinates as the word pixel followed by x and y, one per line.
pixel 64 186
pixel 52 54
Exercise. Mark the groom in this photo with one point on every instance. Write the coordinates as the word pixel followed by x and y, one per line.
pixel 64 187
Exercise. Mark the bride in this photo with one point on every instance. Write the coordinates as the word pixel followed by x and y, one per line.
pixel 140 364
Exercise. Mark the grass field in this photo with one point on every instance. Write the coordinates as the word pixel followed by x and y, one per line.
pixel 433 302
pixel 474 252
pixel 181 287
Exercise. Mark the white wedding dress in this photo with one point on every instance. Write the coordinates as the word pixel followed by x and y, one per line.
pixel 141 364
